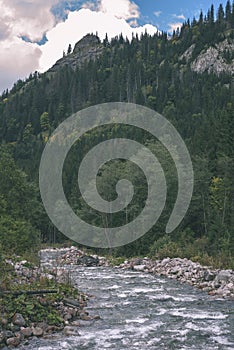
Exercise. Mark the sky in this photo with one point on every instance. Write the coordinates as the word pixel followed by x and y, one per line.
pixel 34 33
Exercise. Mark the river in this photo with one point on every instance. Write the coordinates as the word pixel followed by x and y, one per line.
pixel 141 311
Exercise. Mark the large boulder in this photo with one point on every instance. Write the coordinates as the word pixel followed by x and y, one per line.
pixel 208 276
pixel 87 260
pixel 224 276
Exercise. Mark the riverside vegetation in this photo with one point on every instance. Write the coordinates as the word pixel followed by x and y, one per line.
pixel 172 75
pixel 37 302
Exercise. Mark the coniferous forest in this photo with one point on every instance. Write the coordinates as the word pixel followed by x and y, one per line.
pixel 160 72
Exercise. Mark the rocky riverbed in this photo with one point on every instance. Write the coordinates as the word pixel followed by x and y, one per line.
pixel 218 283
pixel 17 326
pixel 24 315
pixel 143 311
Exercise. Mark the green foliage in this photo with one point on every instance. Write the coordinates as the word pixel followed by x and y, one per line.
pixel 17 236
pixel 19 208
pixel 36 308
pixel 152 71
pixel 116 261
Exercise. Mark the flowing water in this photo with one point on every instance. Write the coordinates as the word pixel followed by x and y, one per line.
pixel 141 311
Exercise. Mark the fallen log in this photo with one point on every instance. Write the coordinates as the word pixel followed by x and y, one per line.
pixel 71 302
pixel 28 292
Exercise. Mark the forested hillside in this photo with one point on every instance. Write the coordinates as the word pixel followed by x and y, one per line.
pixel 188 78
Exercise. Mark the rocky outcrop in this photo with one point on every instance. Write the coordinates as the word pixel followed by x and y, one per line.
pixel 213 59
pixel 187 55
pixel 88 48
pixel 219 283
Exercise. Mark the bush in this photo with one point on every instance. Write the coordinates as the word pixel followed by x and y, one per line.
pixel 17 236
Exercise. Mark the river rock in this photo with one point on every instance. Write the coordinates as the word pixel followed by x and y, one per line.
pixel 208 276
pixel 88 261
pixel 67 317
pixel 18 320
pixel 27 332
pixel 96 317
pixel 224 276
pixel 69 331
pixel 15 341
pixel 86 318
pixel 7 334
pixel 37 331
pixel 3 321
pixel 140 267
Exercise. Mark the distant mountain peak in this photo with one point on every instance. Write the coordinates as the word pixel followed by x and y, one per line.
pixel 86 49
pixel 89 40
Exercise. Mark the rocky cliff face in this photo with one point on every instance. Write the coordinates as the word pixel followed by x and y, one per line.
pixel 88 48
pixel 215 59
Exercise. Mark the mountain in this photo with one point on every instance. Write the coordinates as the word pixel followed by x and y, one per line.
pixel 187 77
pixel 88 48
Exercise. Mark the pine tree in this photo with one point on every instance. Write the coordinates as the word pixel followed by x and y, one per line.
pixel 220 14
pixel 69 50
pixel 228 11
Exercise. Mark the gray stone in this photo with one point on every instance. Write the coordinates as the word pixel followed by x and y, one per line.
pixel 27 332
pixel 18 320
pixel 67 317
pixel 86 260
pixel 208 276
pixel 69 331
pixel 224 276
pixel 140 267
pixel 212 60
pixel 13 341
pixel 37 331
pixel 8 334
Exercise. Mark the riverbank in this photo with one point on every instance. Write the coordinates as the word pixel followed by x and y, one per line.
pixel 216 282
pixel 23 316
pixel 38 302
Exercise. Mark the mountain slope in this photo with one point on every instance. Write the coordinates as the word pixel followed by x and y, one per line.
pixel 188 78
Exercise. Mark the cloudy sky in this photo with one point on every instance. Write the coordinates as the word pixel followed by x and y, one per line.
pixel 34 33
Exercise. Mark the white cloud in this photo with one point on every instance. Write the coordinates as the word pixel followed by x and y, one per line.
pixel 179 16
pixel 33 19
pixel 78 24
pixel 19 59
pixel 121 9
pixel 174 26
pixel 22 18
pixel 157 13
pixel 27 18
